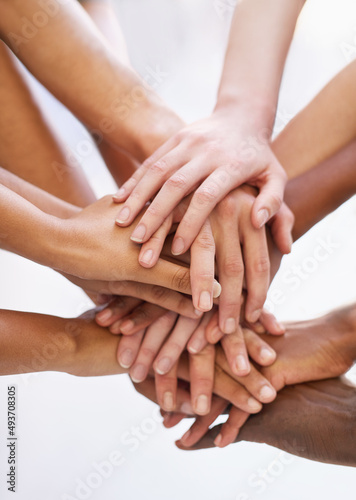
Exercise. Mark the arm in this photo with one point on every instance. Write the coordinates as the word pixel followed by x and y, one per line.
pixel 65 53
pixel 326 125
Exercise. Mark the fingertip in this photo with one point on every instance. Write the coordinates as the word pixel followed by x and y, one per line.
pixel 147 258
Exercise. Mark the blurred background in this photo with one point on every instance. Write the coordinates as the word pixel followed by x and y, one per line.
pixel 67 427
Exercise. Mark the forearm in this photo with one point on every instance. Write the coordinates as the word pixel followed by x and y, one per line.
pixel 261 33
pixel 41 199
pixel 29 146
pixel 65 54
pixel 36 342
pixel 323 127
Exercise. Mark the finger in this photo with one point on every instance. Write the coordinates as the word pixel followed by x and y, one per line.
pixel 166 389
pixel 212 332
pixel 255 383
pixel 201 425
pixel 141 317
pixel 270 198
pixel 202 268
pixel 236 353
pixel 117 309
pixel 155 176
pixel 258 349
pixel 203 201
pixel 257 270
pixel 198 340
pixel 175 344
pixel 128 349
pixel 150 346
pixel 231 273
pixel 176 187
pixel 151 250
pixel 128 186
pixel 269 324
pixel 281 226
pixel 201 367
pixel 231 428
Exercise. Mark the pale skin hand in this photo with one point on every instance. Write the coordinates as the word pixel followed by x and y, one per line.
pixel 229 148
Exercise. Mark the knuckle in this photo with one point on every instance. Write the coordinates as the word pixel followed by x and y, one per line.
pixel 159 168
pixel 158 293
pixel 206 195
pixel 177 181
pixel 205 240
pixel 181 279
pixel 174 348
pixel 233 267
pixel 261 265
pixel 147 352
pixel 276 200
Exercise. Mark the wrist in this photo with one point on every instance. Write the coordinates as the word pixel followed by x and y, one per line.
pixel 259 112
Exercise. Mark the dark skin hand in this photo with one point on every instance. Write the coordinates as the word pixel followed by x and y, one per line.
pixel 315 420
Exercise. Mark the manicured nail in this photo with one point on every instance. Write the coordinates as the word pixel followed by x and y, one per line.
pixel 205 302
pixel 139 233
pixel 138 373
pixel 262 217
pixel 168 401
pixel 267 355
pixel 186 436
pixel 104 315
pixel 123 215
pixel 259 328
pixel 120 194
pixel 230 325
pixel 163 366
pixel 202 404
pixel 127 325
pixel 267 393
pixel 254 316
pixel 217 440
pixel 216 289
pixel 126 358
pixel 241 364
pixel 187 408
pixel 147 257
pixel 254 405
pixel 195 346
pixel 198 313
pixel 177 246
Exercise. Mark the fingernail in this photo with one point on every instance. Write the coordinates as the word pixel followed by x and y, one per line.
pixel 217 440
pixel 126 358
pixel 253 404
pixel 262 217
pixel 215 334
pixel 202 404
pixel 185 436
pixel 196 346
pixel 147 257
pixel 177 246
pixel 168 401
pixel 121 192
pixel 104 315
pixel 267 393
pixel 259 328
pixel 279 326
pixel 205 302
pixel 187 409
pixel 198 313
pixel 241 364
pixel 230 325
pixel 267 354
pixel 216 289
pixel 127 325
pixel 163 366
pixel 139 233
pixel 123 215
pixel 138 373
pixel 254 316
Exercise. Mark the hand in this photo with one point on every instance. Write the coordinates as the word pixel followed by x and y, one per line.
pixel 212 156
pixel 92 248
pixel 314 420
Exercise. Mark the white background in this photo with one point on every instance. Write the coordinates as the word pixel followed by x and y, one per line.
pixel 66 425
